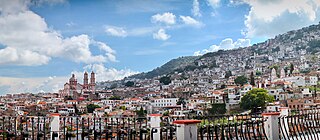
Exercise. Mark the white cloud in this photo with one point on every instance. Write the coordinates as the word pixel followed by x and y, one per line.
pixel 269 18
pixel 147 52
pixel 27 40
pixel 141 31
pixel 110 53
pixel 34 85
pixel 213 3
pixel 122 32
pixel 166 18
pixel 161 35
pixel 54 83
pixel 235 2
pixel 105 74
pixel 225 44
pixel 70 24
pixel 50 2
pixel 116 31
pixel 190 21
pixel 77 49
pixel 13 6
pixel 196 8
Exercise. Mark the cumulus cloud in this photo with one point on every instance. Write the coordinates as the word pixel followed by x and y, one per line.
pixel 161 35
pixel 123 32
pixel 13 6
pixel 28 40
pixel 54 83
pixel 281 16
pixel 196 8
pixel 50 2
pixel 165 18
pixel 225 44
pixel 116 31
pixel 33 85
pixel 109 53
pixel 187 20
pixel 105 74
pixel 213 3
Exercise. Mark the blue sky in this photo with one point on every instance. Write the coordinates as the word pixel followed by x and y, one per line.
pixel 43 41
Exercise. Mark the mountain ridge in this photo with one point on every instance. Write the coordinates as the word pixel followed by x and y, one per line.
pixel 306 40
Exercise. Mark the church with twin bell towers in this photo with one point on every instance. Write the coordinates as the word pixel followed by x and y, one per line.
pixel 76 90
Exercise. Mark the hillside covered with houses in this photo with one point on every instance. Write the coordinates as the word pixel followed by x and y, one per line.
pixel 287 66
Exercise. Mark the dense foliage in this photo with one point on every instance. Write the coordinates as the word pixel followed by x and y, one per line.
pixel 129 84
pixel 255 98
pixel 92 107
pixel 217 109
pixel 181 101
pixel 228 74
pixel 141 112
pixel 165 80
pixel 169 67
pixel 252 82
pixel 115 98
pixel 314 46
pixel 241 80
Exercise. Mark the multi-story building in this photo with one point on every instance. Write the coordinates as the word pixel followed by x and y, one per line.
pixel 164 102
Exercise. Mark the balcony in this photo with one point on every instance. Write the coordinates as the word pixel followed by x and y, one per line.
pixel 292 126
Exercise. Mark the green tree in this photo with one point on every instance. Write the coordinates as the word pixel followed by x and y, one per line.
pixel 217 109
pixel 286 70
pixel 223 86
pixel 115 98
pixel 166 113
pixel 228 74
pixel 256 97
pixel 165 80
pixel 258 73
pixel 241 80
pixel 291 68
pixel 129 84
pixel 181 101
pixel 123 108
pixel 92 107
pixel 76 110
pixel 276 67
pixel 252 79
pixel 141 112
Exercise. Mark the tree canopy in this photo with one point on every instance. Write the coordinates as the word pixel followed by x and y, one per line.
pixel 291 68
pixel 217 109
pixel 228 74
pixel 241 80
pixel 141 112
pixel 129 84
pixel 181 101
pixel 258 73
pixel 115 98
pixel 252 82
pixel 92 107
pixel 256 97
pixel 165 80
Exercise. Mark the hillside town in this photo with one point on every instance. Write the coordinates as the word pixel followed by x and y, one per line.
pixel 182 94
pixel 286 66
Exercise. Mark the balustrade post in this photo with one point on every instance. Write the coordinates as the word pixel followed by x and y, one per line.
pixel 271 125
pixel 155 120
pixel 187 129
pixel 284 112
pixel 55 126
